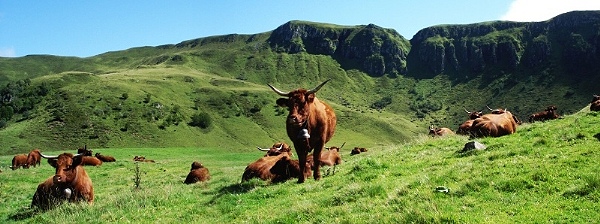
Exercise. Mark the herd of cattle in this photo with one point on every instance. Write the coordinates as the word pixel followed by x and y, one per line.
pixel 498 122
pixel 71 182
pixel 310 124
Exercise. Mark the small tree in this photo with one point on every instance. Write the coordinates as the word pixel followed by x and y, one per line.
pixel 201 120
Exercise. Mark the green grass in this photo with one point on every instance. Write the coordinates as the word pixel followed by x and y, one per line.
pixel 546 172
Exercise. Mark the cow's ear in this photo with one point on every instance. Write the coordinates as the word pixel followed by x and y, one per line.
pixel 52 162
pixel 282 102
pixel 310 98
pixel 77 161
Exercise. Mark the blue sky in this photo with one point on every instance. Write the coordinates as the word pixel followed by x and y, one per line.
pixel 85 28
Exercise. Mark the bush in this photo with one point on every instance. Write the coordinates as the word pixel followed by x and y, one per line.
pixel 201 120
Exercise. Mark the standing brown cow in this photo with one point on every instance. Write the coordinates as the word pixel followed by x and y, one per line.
pixel 331 157
pixel 19 160
pixel 34 158
pixel 595 104
pixel 310 124
pixel 197 173
pixel 70 182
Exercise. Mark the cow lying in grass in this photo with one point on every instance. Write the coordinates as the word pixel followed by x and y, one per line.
pixel 198 173
pixel 70 182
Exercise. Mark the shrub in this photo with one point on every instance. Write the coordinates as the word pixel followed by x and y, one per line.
pixel 201 120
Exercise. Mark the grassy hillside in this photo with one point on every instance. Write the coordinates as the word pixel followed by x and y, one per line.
pixel 546 172
pixel 211 91
pixel 154 106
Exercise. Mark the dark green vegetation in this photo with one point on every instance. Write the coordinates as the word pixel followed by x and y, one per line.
pixel 211 92
pixel 546 172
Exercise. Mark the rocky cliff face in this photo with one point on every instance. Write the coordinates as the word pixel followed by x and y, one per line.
pixel 370 48
pixel 571 39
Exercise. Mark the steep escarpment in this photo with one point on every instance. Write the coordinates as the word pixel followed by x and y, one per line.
pixel 372 49
pixel 568 42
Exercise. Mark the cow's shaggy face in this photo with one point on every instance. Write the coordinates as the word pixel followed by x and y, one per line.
pixel 298 104
pixel 65 166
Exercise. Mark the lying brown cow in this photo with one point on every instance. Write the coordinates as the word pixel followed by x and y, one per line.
pixel 330 157
pixel 548 114
pixel 439 131
pixel 287 168
pixel 104 158
pixel 499 123
pixel 142 159
pixel 358 150
pixel 595 104
pixel 69 183
pixel 276 149
pixel 197 173
pixel 277 168
pixel 465 127
pixel 18 161
pixel 310 124
pixel 84 151
pixel 34 158
pixel 90 161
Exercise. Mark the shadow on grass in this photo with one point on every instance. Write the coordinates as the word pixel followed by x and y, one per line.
pixel 237 188
pixel 23 214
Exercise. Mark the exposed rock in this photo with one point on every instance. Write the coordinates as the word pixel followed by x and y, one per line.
pixel 473 145
pixel 370 48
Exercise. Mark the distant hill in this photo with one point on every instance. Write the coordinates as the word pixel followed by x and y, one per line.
pixel 212 92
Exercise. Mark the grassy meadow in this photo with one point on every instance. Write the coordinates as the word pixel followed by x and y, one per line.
pixel 545 173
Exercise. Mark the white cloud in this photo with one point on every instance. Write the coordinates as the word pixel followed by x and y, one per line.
pixel 7 52
pixel 541 10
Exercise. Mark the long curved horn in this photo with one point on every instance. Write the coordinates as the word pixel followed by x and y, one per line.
pixel 261 149
pixel 314 90
pixel 280 147
pixel 281 93
pixel 48 157
pixel 488 107
pixel 467 111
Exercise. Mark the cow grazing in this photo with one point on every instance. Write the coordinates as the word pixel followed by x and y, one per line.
pixel 499 123
pixel 34 158
pixel 84 151
pixel 358 150
pixel 595 104
pixel 197 173
pixel 18 161
pixel 465 127
pixel 104 158
pixel 310 124
pixel 69 183
pixel 548 114
pixel 331 157
pixel 433 131
pixel 90 161
pixel 276 149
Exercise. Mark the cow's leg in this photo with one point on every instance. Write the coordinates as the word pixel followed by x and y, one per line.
pixel 302 154
pixel 317 161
